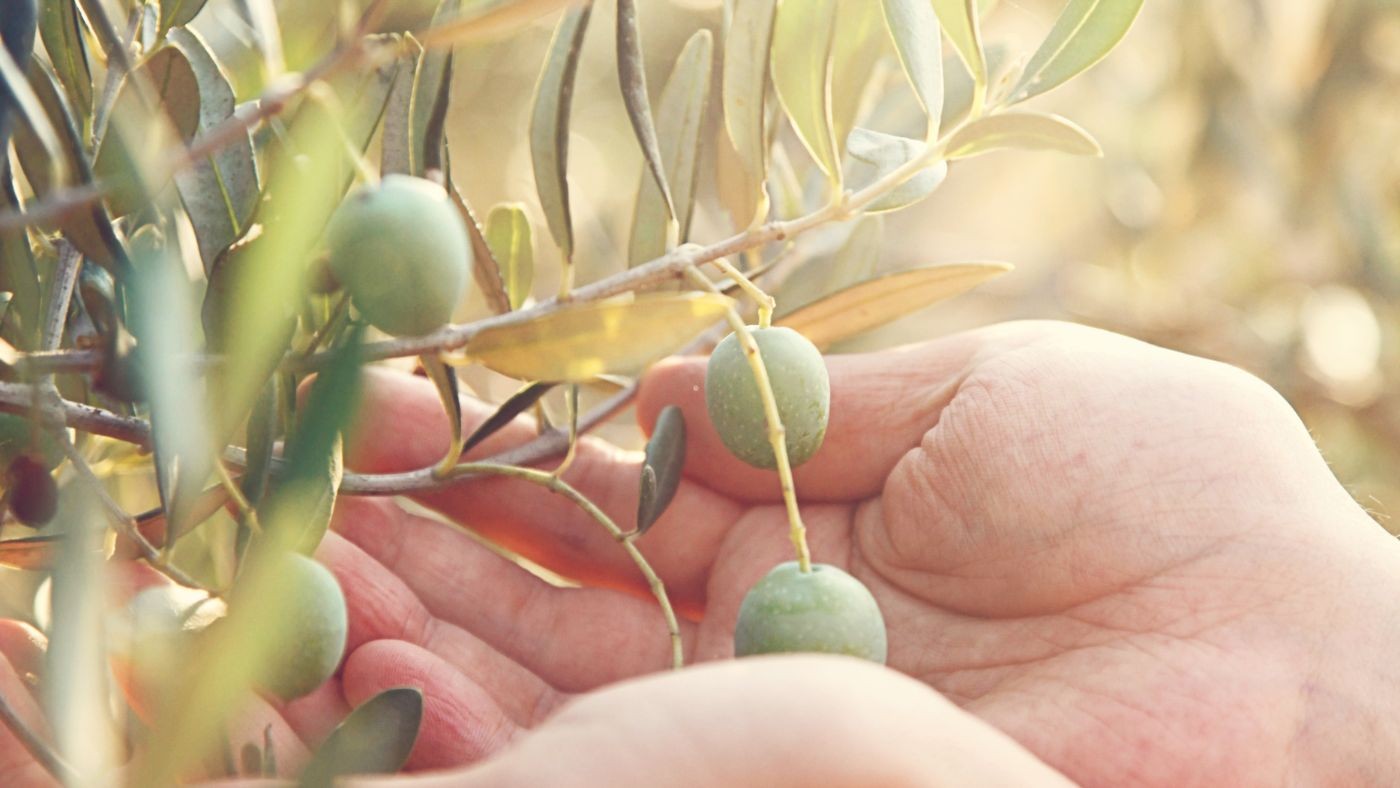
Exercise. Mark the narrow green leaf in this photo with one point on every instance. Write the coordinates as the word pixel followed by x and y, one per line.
pixel 518 403
pixel 960 21
pixel 221 192
pixel 18 273
pixel 549 125
pixel 261 435
pixel 747 38
pixel 915 31
pixel 631 75
pixel 881 300
pixel 680 117
pixel 662 467
pixel 90 230
pixel 584 340
pixel 411 136
pixel 376 738
pixel 1023 130
pixel 445 381
pixel 138 138
pixel 1085 32
pixel 486 269
pixel 62 29
pixel 801 65
pixel 857 48
pixel 174 13
pixel 875 154
pixel 508 236
pixel 16 94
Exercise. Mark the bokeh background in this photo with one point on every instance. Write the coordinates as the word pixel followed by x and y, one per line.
pixel 1247 207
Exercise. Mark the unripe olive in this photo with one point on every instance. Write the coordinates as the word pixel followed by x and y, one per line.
pixel 401 250
pixel 801 389
pixel 152 641
pixel 824 610
pixel 310 623
pixel 33 492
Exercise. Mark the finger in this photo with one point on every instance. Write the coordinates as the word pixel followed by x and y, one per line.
pixel 403 427
pixel 881 404
pixel 260 725
pixel 574 638
pixel 382 607
pixel 462 722
pixel 314 716
pixel 17 767
pixel 23 646
pixel 773 721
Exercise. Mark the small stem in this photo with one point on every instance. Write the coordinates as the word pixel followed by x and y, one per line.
pixel 557 485
pixel 571 407
pixel 235 493
pixel 777 434
pixel 37 747
pixel 65 275
pixel 765 302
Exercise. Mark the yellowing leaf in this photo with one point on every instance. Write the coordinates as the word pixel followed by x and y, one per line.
pixel 1085 32
pixel 583 341
pixel 1023 130
pixel 878 301
pixel 33 552
pixel 801 63
pixel 508 236
pixel 679 117
pixel 487 19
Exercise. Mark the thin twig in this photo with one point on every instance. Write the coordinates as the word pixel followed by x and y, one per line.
pixel 555 484
pixel 65 276
pixel 36 746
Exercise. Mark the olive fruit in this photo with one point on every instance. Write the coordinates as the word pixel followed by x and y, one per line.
pixel 309 624
pixel 801 389
pixel 824 610
pixel 151 641
pixel 33 492
pixel 401 250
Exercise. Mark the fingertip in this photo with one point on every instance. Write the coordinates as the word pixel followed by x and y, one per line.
pixel 461 722
pixel 22 645
pixel 679 380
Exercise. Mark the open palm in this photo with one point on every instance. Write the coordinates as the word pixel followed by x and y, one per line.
pixel 1131 561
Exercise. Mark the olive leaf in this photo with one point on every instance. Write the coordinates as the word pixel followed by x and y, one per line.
pixel 661 467
pixel 17 30
pixel 174 13
pixel 445 381
pixel 62 29
pixel 632 77
pixel 89 230
pixel 960 21
pixel 680 118
pixel 375 738
pixel 854 261
pixel 549 125
pixel 138 137
pixel 19 275
pixel 747 38
pixel 855 52
pixel 221 192
pixel 878 301
pixel 505 413
pixel 261 435
pixel 487 19
pixel 801 67
pixel 508 236
pixel 581 341
pixel 486 269
pixel 34 553
pixel 413 120
pixel 1022 130
pixel 875 154
pixel 914 28
pixel 1083 34
pixel 958 87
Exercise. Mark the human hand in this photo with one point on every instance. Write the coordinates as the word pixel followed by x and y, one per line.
pixel 1131 560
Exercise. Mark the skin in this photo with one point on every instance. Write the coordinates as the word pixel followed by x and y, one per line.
pixel 1095 557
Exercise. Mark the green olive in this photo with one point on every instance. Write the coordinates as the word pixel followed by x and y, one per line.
pixel 151 643
pixel 32 490
pixel 824 610
pixel 401 250
pixel 309 623
pixel 801 389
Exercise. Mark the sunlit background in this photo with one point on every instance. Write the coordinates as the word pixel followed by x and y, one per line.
pixel 1247 207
